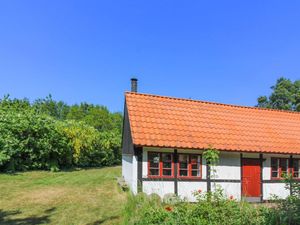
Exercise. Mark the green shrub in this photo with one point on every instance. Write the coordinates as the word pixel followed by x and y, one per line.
pixel 288 209
pixel 90 147
pixel 32 139
pixel 211 208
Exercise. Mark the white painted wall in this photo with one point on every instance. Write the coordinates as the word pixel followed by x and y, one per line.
pixel 228 166
pixel 129 171
pixel 277 189
pixel 127 168
pixel 158 187
pixel 134 186
pixel 186 189
pixel 266 173
pixel 230 189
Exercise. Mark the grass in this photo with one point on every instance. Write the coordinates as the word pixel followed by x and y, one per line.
pixel 77 197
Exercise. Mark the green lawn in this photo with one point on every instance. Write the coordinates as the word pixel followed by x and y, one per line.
pixel 77 197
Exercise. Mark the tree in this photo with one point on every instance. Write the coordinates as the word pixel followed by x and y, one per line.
pixel 58 110
pixel 50 135
pixel 96 116
pixel 285 96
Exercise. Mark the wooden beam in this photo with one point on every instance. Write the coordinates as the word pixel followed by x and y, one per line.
pixel 291 165
pixel 138 152
pixel 208 173
pixel 175 172
pixel 261 159
pixel 241 169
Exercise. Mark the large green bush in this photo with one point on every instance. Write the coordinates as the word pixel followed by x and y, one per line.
pixel 90 147
pixel 38 135
pixel 31 141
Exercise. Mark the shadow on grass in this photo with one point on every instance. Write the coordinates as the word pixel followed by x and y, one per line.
pixel 68 169
pixel 98 222
pixel 5 218
pixel 71 169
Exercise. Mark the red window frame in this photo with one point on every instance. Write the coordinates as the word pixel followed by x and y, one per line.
pixel 160 167
pixel 280 165
pixel 189 167
pixel 153 168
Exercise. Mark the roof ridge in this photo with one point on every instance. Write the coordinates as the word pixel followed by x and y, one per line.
pixel 213 103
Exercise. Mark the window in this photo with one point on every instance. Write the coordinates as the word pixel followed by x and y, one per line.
pixel 167 160
pixel 189 166
pixel 275 168
pixel 284 167
pixel 195 165
pixel 183 161
pixel 296 168
pixel 160 164
pixel 279 167
pixel 154 163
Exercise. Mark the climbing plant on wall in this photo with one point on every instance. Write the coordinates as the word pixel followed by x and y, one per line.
pixel 211 155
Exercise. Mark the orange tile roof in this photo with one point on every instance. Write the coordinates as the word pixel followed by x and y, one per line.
pixel 159 121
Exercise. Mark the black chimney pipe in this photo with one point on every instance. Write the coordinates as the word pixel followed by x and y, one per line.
pixel 134 84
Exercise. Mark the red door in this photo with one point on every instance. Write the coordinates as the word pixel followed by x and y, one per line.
pixel 251 178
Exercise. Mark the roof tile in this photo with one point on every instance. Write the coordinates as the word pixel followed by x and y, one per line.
pixel 183 123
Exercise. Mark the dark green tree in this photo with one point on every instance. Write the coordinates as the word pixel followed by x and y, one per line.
pixel 285 96
pixel 56 109
pixel 96 116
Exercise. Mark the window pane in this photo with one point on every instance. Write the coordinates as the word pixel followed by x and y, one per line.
pixel 274 174
pixel 195 173
pixel 154 172
pixel 183 161
pixel 167 172
pixel 183 165
pixel 274 163
pixel 154 165
pixel 183 158
pixel 154 157
pixel 167 160
pixel 296 167
pixel 166 157
pixel 283 166
pixel 194 166
pixel 274 167
pixel 183 173
pixel 194 159
pixel 167 165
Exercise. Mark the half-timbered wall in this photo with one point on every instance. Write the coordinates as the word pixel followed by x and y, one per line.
pixel 227 175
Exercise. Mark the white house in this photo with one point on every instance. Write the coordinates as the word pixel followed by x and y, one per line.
pixel 164 138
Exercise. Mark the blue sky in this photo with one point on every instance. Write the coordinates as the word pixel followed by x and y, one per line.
pixel 223 51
